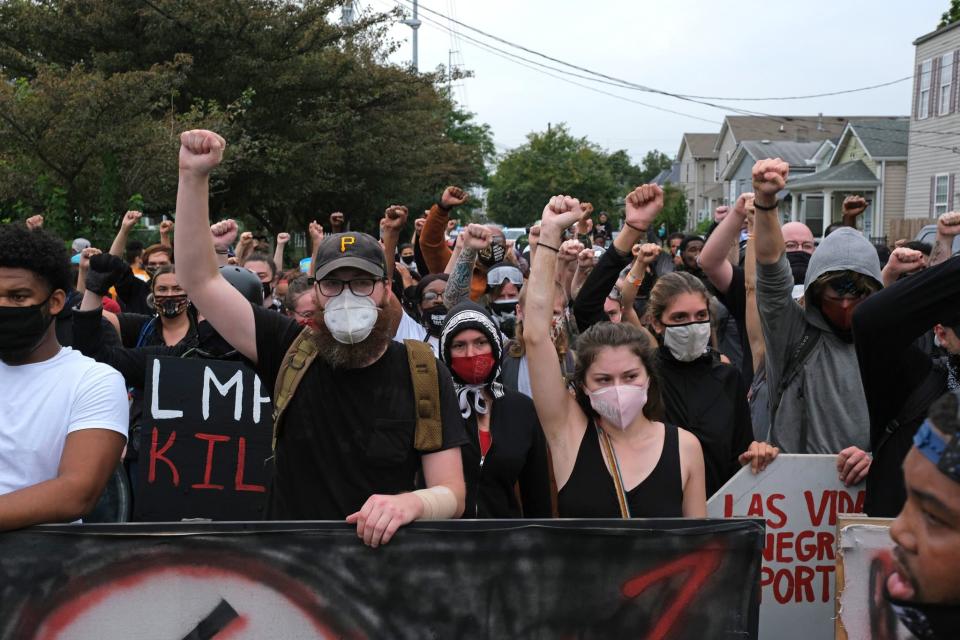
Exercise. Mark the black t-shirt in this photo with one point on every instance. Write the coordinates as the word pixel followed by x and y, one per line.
pixel 347 433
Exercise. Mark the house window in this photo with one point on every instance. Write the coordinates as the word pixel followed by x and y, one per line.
pixel 946 78
pixel 688 172
pixel 941 194
pixel 923 107
pixel 716 172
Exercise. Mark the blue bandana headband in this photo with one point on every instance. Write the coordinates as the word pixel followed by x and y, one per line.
pixel 942 453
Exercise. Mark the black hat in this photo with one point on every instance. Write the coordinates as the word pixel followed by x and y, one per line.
pixel 244 281
pixel 350 249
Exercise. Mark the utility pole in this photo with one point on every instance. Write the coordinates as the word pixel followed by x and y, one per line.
pixel 414 23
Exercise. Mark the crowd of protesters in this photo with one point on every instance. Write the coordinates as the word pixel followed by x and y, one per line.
pixel 583 372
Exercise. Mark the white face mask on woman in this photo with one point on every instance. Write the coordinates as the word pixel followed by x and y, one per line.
pixel 620 403
pixel 687 342
pixel 349 317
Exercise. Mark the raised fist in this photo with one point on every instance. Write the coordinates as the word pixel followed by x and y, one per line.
pixel 35 222
pixel 477 237
pixel 224 233
pixel 648 253
pixel 570 251
pixel 200 151
pixel 283 237
pixel 854 205
pixel 769 178
pixel 949 224
pixel 166 227
pixel 130 219
pixel 903 260
pixel 585 225
pixel 336 221
pixel 85 256
pixel 720 213
pixel 105 271
pixel 561 213
pixel 534 236
pixel 316 232
pixel 453 197
pixel 246 238
pixel 451 225
pixel 586 259
pixel 642 206
pixel 394 218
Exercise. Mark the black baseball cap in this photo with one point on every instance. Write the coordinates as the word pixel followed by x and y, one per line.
pixel 350 249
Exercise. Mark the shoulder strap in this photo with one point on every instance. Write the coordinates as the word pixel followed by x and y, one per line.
pixel 296 361
pixel 426 395
pixel 797 358
pixel 613 466
pixel 916 405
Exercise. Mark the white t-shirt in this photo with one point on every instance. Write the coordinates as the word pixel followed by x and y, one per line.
pixel 41 403
pixel 410 329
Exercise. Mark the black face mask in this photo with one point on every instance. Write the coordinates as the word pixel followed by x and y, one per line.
pixel 267 289
pixel 407 259
pixel 799 260
pixel 927 621
pixel 433 319
pixel 170 306
pixel 22 329
pixel 492 255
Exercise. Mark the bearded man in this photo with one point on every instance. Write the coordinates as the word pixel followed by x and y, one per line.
pixel 346 449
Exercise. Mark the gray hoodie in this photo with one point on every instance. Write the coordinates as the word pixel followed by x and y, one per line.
pixel 826 399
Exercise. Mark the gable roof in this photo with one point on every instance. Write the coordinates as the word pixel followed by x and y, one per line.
pixel 797 128
pixel 849 175
pixel 881 139
pixel 671 175
pixel 793 153
pixel 701 145
pixel 934 34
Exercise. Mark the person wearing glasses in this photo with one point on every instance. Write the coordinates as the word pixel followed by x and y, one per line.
pixel 346 446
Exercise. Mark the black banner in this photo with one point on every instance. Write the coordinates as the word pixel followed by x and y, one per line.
pixel 205 442
pixel 651 579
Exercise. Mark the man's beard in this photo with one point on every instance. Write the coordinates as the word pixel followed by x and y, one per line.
pixel 362 354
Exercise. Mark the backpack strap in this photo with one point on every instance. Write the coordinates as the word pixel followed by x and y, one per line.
pixel 426 396
pixel 296 361
pixel 795 362
pixel 917 404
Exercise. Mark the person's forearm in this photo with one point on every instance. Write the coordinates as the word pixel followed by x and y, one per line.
pixel 579 277
pixel 81 280
pixel 278 257
pixel 768 236
pixel 195 254
pixel 119 245
pixel 752 316
pixel 942 249
pixel 714 259
pixel 628 237
pixel 588 307
pixel 390 239
pixel 454 257
pixel 433 242
pixel 631 284
pixel 90 302
pixel 538 308
pixel 165 239
pixel 53 501
pixel 849 220
pixel 244 249
pixel 565 272
pixel 461 276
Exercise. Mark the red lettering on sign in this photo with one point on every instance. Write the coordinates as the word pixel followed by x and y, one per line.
pixel 806 551
pixel 827 498
pixel 241 460
pixel 158 455
pixel 756 505
pixel 784 546
pixel 773 508
pixel 700 564
pixel 728 505
pixel 803 589
pixel 212 441
pixel 825 570
pixel 825 545
pixel 783 586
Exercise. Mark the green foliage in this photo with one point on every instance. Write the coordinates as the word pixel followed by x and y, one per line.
pixel 553 162
pixel 703 226
pixel 97 92
pixel 951 15
pixel 653 163
pixel 674 213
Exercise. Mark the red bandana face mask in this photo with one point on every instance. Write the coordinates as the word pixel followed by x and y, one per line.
pixel 473 369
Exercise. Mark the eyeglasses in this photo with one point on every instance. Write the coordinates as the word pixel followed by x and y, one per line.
pixel 430 296
pixel 332 287
pixel 793 245
pixel 306 315
pixel 496 277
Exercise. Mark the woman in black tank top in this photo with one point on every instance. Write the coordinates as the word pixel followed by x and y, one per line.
pixel 612 457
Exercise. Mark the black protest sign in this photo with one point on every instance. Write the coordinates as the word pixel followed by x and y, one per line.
pixel 205 442
pixel 656 579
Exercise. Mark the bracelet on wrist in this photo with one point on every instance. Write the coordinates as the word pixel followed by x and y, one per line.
pixel 634 280
pixel 638 229
pixel 773 207
pixel 547 246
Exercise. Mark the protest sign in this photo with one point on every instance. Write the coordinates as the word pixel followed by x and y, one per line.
pixel 204 443
pixel 800 497
pixel 863 563
pixel 654 579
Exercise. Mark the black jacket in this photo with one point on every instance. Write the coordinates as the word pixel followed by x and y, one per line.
pixel 708 399
pixel 588 305
pixel 885 327
pixel 517 455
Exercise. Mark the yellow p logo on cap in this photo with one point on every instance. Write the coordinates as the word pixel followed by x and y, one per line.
pixel 346 241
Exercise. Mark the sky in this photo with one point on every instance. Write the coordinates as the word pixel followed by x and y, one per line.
pixel 737 48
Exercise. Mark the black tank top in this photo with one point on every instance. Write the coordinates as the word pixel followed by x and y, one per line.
pixel 591 493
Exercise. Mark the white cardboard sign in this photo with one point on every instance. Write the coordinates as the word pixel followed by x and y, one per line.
pixel 800 497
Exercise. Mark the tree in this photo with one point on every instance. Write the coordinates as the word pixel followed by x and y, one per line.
pixel 674 212
pixel 96 92
pixel 554 162
pixel 653 163
pixel 951 15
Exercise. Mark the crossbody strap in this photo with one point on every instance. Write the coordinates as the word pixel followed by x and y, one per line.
pixel 613 466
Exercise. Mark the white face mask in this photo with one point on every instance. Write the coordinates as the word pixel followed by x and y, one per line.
pixel 350 317
pixel 687 342
pixel 619 404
